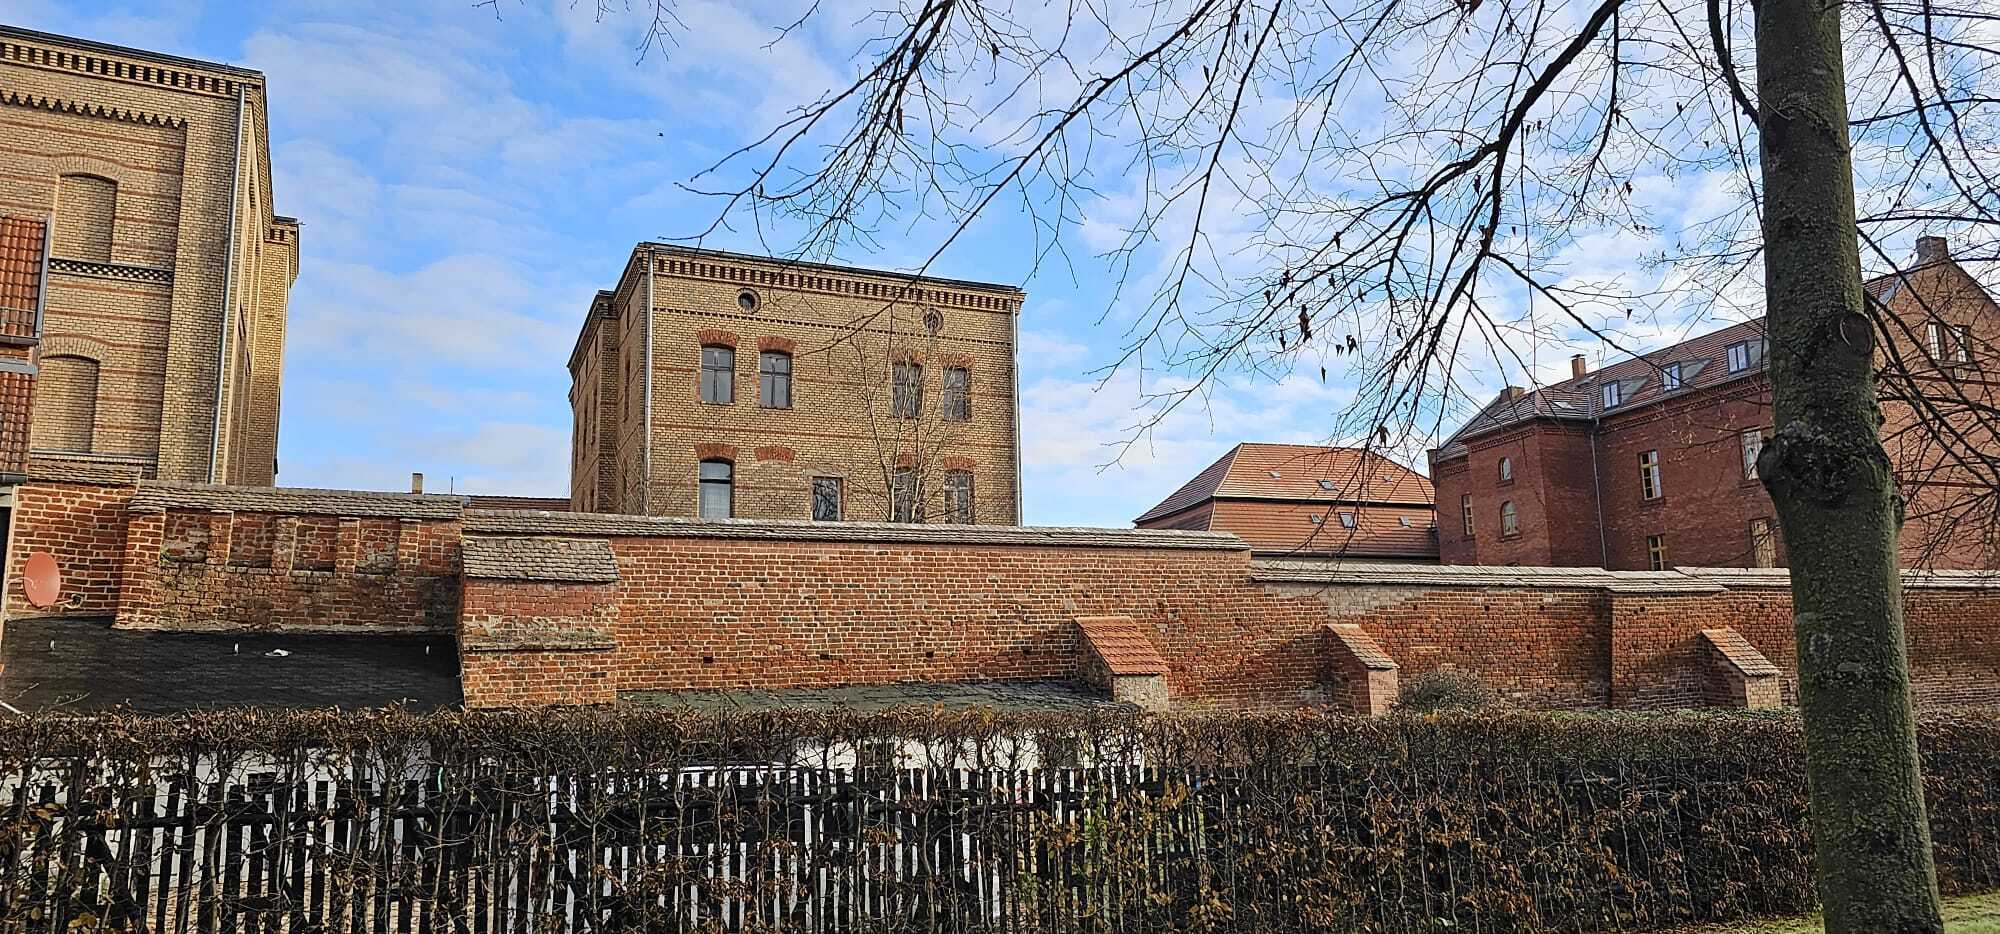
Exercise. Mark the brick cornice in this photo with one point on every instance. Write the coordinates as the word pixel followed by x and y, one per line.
pixel 59 53
pixel 61 105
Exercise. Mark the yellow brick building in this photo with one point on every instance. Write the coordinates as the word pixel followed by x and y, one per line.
pixel 159 345
pixel 777 389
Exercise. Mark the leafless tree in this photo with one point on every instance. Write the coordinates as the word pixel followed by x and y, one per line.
pixel 1399 190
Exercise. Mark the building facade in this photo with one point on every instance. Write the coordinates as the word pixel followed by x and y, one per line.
pixel 1308 502
pixel 1651 462
pixel 148 276
pixel 762 388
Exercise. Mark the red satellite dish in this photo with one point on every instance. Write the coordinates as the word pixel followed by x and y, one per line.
pixel 42 580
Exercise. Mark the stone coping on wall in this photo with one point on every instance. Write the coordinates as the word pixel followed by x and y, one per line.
pixel 1002 696
pixel 1433 575
pixel 563 560
pixel 1913 578
pixel 296 500
pixel 605 525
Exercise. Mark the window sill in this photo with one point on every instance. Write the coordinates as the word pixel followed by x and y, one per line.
pixel 1652 503
pixel 1509 536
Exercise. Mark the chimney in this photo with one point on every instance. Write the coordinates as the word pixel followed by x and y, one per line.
pixel 416 483
pixel 1932 250
pixel 1577 368
pixel 1511 392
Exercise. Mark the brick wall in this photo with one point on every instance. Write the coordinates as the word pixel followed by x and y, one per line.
pixel 537 643
pixel 82 525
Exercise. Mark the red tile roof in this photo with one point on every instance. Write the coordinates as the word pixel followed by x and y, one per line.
pixel 1124 644
pixel 1305 473
pixel 1703 362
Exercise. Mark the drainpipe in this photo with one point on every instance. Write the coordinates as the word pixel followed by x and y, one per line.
pixel 228 290
pixel 1014 367
pixel 646 504
pixel 42 282
pixel 1597 493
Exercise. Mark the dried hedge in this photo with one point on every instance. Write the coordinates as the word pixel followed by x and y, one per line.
pixel 933 821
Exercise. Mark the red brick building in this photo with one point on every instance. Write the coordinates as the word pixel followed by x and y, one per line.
pixel 1308 502
pixel 1650 462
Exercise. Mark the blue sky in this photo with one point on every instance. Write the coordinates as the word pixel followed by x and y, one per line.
pixel 466 182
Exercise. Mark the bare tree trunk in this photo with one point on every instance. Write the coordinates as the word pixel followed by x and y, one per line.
pixel 1830 480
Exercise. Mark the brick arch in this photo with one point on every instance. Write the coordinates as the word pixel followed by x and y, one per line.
pixel 83 163
pixel 778 344
pixel 715 451
pixel 962 361
pixel 86 216
pixel 74 345
pixel 715 337
pixel 960 463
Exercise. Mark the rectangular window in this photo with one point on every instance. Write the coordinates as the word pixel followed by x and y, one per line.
pixel 717 478
pixel 1670 377
pixel 904 496
pixel 958 496
pixel 1949 343
pixel 906 395
pixel 1763 546
pixel 1465 512
pixel 718 375
pixel 1961 348
pixel 955 394
pixel 1753 444
pixel 1739 356
pixel 1510 520
pixel 1614 394
pixel 826 499
pixel 1649 475
pixel 1656 552
pixel 774 380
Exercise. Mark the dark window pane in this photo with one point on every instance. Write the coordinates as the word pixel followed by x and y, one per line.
pixel 906 397
pixel 715 497
pixel 958 497
pixel 904 497
pixel 826 499
pixel 956 401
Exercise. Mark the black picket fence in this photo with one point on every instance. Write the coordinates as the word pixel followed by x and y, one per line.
pixel 936 822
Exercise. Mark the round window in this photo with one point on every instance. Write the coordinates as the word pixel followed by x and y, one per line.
pixel 933 322
pixel 746 300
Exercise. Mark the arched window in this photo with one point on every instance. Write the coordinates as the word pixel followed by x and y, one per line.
pixel 1509 523
pixel 85 208
pixel 65 411
pixel 1506 470
pixel 718 481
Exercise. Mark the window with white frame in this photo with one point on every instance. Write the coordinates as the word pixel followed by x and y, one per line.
pixel 1649 475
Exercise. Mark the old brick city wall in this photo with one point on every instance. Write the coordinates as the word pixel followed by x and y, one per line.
pixel 198 557
pixel 568 608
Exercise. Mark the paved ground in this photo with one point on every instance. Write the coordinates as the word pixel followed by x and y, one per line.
pixel 85 665
pixel 1971 914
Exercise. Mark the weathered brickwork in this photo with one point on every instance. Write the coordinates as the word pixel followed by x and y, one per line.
pixel 82 524
pixel 537 643
pixel 142 160
pixel 1576 486
pixel 844 333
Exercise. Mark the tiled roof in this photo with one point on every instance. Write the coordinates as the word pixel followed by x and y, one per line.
pixel 541 559
pixel 517 522
pixel 1702 360
pixel 162 495
pixel 1315 529
pixel 1301 473
pixel 1003 696
pixel 1740 653
pixel 1362 646
pixel 81 666
pixel 21 253
pixel 1123 643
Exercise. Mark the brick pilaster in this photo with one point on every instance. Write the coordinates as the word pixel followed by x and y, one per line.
pixel 220 530
pixel 138 573
pixel 285 544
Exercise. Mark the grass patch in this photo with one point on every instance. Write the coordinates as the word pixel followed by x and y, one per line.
pixel 1970 914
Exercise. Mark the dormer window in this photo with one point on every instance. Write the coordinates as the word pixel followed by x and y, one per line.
pixel 1739 356
pixel 1670 377
pixel 1614 395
